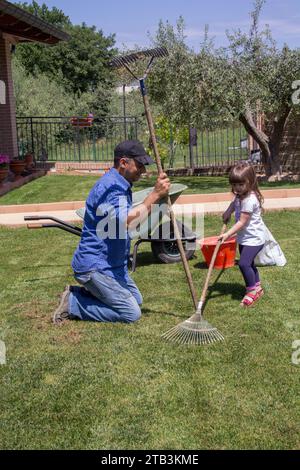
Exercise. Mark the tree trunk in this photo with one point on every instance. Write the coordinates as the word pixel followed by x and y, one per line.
pixel 269 145
pixel 259 136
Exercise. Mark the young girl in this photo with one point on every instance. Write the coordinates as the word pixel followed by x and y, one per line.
pixel 249 227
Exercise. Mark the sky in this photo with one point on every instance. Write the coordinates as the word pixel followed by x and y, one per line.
pixel 131 20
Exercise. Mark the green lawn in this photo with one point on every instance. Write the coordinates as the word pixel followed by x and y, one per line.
pixel 114 386
pixel 57 188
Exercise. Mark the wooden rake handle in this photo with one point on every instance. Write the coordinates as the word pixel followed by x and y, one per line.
pixel 172 215
pixel 211 265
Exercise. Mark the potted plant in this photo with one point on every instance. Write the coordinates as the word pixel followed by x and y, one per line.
pixel 84 121
pixel 4 163
pixel 29 160
pixel 17 166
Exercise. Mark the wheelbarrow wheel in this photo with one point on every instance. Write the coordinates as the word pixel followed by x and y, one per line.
pixel 167 251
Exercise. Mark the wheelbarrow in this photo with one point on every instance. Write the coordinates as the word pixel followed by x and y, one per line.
pixel 156 229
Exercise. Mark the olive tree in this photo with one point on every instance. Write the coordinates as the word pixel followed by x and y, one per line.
pixel 261 77
pixel 218 85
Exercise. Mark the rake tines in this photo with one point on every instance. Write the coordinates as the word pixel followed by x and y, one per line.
pixel 121 61
pixel 194 330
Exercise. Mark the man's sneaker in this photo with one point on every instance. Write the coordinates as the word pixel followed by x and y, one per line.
pixel 62 312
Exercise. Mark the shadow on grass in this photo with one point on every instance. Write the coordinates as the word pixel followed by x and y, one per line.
pixel 42 266
pixel 277 184
pixel 148 311
pixel 201 265
pixel 145 259
pixel 219 289
pixel 48 278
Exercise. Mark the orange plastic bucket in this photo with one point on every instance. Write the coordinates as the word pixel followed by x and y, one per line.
pixel 226 255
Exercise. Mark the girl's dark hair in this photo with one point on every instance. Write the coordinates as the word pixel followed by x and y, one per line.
pixel 244 173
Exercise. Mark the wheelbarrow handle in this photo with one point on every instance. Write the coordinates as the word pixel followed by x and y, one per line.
pixel 69 226
pixel 60 226
pixel 31 217
pixel 34 226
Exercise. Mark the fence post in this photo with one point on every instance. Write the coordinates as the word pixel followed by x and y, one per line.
pixel 124 112
pixel 94 143
pixel 171 157
pixel 192 163
pixel 32 139
pixel 78 143
pixel 136 128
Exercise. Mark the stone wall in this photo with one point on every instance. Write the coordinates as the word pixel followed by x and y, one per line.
pixel 290 148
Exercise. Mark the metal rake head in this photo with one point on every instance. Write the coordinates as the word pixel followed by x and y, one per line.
pixel 193 331
pixel 122 61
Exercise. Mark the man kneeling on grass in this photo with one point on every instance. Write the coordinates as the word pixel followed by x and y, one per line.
pixel 108 294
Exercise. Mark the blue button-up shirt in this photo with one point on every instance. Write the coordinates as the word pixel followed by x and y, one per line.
pixel 105 243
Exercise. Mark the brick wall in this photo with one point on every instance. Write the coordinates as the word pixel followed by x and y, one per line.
pixel 8 131
pixel 290 148
pixel 84 166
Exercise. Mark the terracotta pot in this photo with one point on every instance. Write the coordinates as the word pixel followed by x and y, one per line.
pixel 3 174
pixel 82 122
pixel 29 161
pixel 17 167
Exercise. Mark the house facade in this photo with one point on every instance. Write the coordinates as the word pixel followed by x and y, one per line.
pixel 17 26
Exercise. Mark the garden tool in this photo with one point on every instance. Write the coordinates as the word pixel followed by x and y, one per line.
pixel 125 61
pixel 196 330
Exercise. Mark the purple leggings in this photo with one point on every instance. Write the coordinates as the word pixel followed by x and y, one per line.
pixel 246 264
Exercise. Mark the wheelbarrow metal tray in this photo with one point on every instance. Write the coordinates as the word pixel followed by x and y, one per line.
pixel 139 196
pixel 175 190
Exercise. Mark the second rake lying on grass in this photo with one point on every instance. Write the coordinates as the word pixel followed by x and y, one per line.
pixel 202 332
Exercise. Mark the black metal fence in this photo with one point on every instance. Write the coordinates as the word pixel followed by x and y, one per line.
pixel 208 148
pixel 75 139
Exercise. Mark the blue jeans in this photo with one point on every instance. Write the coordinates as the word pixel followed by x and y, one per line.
pixel 104 299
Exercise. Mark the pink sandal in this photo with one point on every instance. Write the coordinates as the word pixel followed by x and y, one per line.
pixel 249 299
pixel 260 292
